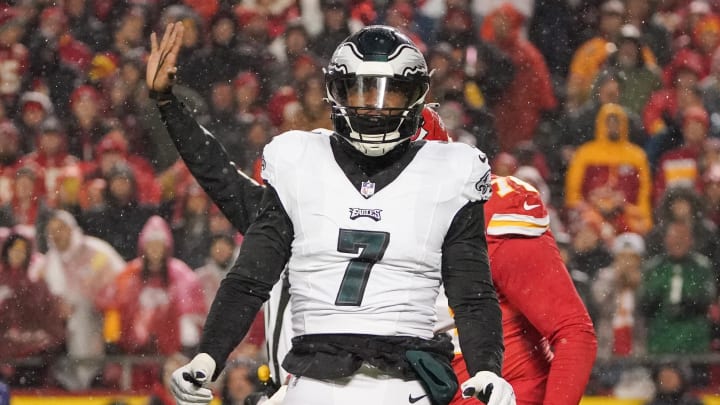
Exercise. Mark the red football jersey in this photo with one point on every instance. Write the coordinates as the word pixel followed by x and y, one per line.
pixel 549 338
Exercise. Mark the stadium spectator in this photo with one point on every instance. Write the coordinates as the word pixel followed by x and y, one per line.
pixel 218 261
pixel 221 56
pixel 710 90
pixel 10 155
pixel 335 28
pixel 677 288
pixel 51 156
pixel 640 76
pixel 112 151
pixel 223 119
pixel 77 268
pixel 611 175
pixel 680 91
pixel 13 56
pixel 619 326
pixel 578 126
pixel 641 14
pixel 121 217
pixel 672 386
pixel 711 193
pixel 586 253
pixel 240 381
pixel 158 297
pixel 592 54
pixel 55 56
pixel 28 204
pixel 400 14
pixel 682 166
pixel 191 226
pixel 247 96
pixel 530 94
pixel 86 125
pixel 30 317
pixel 34 108
pixel 310 111
pixel 85 26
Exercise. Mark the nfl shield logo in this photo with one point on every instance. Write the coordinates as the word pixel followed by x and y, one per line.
pixel 367 189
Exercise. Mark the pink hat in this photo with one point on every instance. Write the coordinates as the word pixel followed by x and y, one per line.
pixel 85 92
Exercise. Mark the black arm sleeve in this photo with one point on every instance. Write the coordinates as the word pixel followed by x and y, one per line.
pixel 470 291
pixel 235 194
pixel 264 253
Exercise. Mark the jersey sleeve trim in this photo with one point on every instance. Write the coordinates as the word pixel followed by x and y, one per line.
pixel 515 224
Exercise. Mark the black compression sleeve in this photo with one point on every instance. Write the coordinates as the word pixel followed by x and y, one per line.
pixel 264 253
pixel 470 291
pixel 233 192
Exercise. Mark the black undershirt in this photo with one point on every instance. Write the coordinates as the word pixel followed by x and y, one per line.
pixel 381 170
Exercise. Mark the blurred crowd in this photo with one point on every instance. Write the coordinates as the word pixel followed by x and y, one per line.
pixel 610 108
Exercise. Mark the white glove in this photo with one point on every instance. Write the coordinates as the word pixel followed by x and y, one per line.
pixel 277 397
pixel 489 388
pixel 187 382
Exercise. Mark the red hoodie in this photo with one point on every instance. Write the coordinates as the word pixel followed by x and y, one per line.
pixel 518 112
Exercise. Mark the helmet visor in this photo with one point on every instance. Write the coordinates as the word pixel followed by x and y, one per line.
pixel 380 92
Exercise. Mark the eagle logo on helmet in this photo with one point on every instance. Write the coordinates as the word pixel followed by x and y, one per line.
pixel 405 61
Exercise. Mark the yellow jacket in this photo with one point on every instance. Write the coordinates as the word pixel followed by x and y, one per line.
pixel 620 166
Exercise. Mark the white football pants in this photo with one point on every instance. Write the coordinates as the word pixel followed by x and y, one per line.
pixel 367 386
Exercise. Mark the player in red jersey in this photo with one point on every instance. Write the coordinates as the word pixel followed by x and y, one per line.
pixel 549 338
pixel 550 343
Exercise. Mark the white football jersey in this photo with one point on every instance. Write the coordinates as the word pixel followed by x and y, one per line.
pixel 368 261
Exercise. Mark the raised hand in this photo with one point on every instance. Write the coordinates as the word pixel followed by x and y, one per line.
pixel 161 68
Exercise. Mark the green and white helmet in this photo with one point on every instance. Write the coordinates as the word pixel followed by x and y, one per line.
pixel 369 65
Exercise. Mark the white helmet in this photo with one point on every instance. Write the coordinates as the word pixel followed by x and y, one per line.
pixel 376 82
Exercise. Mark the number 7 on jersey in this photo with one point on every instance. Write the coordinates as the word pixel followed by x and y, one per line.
pixel 370 245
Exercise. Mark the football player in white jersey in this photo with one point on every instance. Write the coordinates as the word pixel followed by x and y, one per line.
pixel 369 225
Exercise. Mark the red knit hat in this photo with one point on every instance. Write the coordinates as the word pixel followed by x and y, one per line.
pixel 112 142
pixel 85 92
pixel 247 78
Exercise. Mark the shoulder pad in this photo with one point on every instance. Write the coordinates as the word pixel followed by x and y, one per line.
pixel 515 208
pixel 284 150
pixel 477 186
